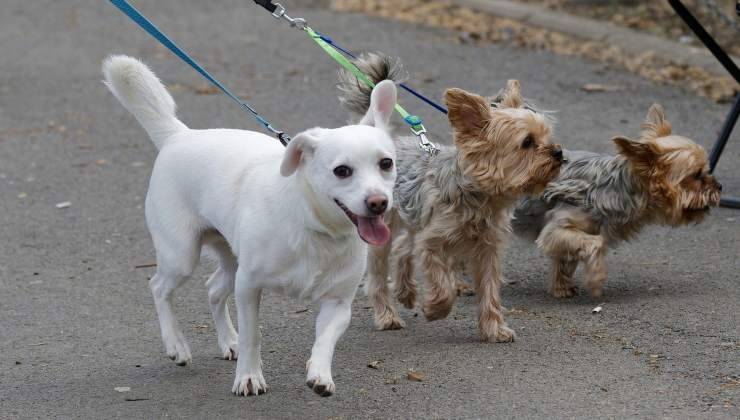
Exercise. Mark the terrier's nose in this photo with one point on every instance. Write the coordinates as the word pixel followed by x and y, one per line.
pixel 557 153
pixel 377 204
pixel 719 186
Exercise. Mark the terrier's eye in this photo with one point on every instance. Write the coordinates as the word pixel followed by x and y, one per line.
pixel 343 171
pixel 386 164
pixel 698 176
pixel 528 142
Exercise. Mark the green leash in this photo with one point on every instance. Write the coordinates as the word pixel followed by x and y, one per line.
pixel 335 52
pixel 413 121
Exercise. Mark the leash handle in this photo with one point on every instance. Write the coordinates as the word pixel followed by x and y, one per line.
pixel 267 4
pixel 149 27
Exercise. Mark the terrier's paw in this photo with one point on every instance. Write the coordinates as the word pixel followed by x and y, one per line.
pixel 563 290
pixel 464 289
pixel 177 349
pixel 389 321
pixel 434 312
pixel 497 333
pixel 249 384
pixel 596 291
pixel 407 297
pixel 229 351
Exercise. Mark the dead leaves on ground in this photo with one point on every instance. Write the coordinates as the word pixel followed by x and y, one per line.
pixel 478 27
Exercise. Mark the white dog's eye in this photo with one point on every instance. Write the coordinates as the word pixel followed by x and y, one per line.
pixel 343 171
pixel 386 164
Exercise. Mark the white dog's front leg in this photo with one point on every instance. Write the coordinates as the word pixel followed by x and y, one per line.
pixel 249 379
pixel 333 319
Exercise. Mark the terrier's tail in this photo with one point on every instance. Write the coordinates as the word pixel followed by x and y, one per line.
pixel 142 94
pixel 354 93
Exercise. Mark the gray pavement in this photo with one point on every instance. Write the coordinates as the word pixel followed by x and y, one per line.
pixel 77 319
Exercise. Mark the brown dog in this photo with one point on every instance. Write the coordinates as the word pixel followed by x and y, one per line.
pixel 599 201
pixel 454 208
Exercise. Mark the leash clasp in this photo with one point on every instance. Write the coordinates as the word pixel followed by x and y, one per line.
pixel 426 145
pixel 419 131
pixel 279 13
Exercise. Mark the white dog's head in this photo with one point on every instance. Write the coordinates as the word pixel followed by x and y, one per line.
pixel 350 171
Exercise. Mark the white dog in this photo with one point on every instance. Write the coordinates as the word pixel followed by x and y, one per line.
pixel 276 218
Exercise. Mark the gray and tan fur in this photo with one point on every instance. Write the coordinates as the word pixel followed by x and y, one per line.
pixel 455 208
pixel 599 200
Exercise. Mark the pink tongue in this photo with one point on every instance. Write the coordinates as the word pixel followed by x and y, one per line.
pixel 373 230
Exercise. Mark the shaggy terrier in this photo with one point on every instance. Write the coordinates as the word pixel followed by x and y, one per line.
pixel 454 208
pixel 599 201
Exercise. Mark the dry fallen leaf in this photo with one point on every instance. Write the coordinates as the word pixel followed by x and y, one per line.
pixel 122 388
pixel 415 376
pixel 205 90
pixel 596 310
pixel 374 364
pixel 63 205
pixel 597 87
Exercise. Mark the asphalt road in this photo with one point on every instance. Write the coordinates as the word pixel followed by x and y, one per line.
pixel 77 318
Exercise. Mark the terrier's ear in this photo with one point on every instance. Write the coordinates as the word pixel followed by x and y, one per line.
pixel 655 125
pixel 511 97
pixel 300 147
pixel 468 113
pixel 641 154
pixel 382 102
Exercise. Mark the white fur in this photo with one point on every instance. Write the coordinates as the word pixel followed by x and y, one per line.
pixel 224 189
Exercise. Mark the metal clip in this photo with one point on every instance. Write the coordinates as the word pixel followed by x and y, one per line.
pixel 279 12
pixel 426 145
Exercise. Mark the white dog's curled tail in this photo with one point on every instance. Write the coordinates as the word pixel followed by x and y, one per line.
pixel 142 94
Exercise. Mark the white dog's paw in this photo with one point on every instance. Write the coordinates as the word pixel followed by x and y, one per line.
pixel 319 380
pixel 177 349
pixel 322 386
pixel 229 350
pixel 249 384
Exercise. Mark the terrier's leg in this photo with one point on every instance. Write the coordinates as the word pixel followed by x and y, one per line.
pixel 486 267
pixel 405 283
pixel 332 321
pixel 595 264
pixel 567 244
pixel 386 316
pixel 462 287
pixel 438 267
pixel 561 283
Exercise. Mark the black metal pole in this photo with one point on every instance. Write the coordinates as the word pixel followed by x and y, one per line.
pixel 706 39
pixel 728 64
pixel 724 134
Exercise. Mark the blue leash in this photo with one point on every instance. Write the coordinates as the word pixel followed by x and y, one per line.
pixel 430 102
pixel 148 26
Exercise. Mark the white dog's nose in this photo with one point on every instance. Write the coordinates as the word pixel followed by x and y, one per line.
pixel 377 204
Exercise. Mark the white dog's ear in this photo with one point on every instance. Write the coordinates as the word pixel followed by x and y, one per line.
pixel 382 101
pixel 301 146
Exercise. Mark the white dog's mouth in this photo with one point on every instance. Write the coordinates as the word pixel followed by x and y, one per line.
pixel 372 230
